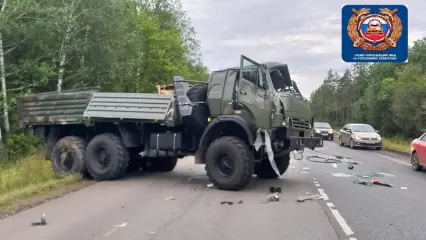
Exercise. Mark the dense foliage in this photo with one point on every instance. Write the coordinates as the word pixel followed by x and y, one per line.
pixel 390 97
pixel 119 45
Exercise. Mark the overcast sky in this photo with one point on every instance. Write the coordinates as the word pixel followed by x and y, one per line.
pixel 304 34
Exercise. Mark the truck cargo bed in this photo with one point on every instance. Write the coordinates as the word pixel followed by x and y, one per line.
pixel 66 107
pixel 136 106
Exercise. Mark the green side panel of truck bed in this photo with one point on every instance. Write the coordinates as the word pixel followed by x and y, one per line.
pixel 130 106
pixel 66 107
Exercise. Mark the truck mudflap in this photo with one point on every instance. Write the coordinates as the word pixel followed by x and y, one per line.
pixel 300 143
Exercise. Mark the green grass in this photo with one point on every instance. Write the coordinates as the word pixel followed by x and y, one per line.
pixel 28 177
pixel 397 144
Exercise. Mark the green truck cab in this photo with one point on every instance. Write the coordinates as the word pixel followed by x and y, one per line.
pixel 243 121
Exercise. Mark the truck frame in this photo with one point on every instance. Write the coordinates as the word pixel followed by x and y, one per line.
pixel 245 120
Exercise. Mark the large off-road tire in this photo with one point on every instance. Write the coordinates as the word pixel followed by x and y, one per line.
pixel 67 156
pixel 162 164
pixel 264 168
pixel 229 163
pixel 200 112
pixel 106 157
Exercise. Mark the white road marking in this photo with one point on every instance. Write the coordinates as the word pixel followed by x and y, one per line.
pixel 317 185
pixel 339 218
pixel 323 194
pixel 393 159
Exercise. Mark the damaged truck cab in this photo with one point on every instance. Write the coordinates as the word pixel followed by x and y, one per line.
pixel 245 120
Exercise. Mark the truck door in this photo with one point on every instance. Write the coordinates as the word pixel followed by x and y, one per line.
pixel 252 92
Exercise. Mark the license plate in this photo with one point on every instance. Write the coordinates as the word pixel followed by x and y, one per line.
pixel 370 142
pixel 324 134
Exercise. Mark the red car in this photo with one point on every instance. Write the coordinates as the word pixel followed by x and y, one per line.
pixel 418 153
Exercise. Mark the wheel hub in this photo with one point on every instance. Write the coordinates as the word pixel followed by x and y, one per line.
pixel 103 158
pixel 226 165
pixel 66 160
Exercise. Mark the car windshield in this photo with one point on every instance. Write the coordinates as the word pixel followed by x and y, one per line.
pixel 322 125
pixel 362 128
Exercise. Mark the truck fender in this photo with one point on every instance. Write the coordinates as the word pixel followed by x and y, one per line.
pixel 220 124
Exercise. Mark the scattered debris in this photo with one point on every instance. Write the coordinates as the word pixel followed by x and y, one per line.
pixel 115 228
pixel 350 167
pixel 304 172
pixel 42 221
pixel 210 185
pixel 380 183
pixel 241 201
pixel 341 175
pixel 386 174
pixel 305 168
pixel 226 202
pixel 197 177
pixel 273 197
pixel 371 175
pixel 292 167
pixel 362 182
pixel 404 188
pixel 334 165
pixel 170 198
pixel 275 189
pixel 309 197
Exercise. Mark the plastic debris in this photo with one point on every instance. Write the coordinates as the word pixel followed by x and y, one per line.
pixel 42 221
pixel 334 165
pixel 170 198
pixel 404 188
pixel 268 147
pixel 350 167
pixel 226 202
pixel 241 201
pixel 305 168
pixel 341 175
pixel 210 185
pixel 309 197
pixel 362 182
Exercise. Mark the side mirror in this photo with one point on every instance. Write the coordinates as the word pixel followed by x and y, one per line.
pixel 377 131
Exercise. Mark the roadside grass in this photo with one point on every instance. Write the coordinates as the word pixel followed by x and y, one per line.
pixel 397 144
pixel 27 177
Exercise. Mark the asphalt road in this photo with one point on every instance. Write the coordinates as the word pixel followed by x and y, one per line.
pixel 138 207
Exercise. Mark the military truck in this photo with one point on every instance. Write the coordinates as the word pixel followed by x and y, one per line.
pixel 227 123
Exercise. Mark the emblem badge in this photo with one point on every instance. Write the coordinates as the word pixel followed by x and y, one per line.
pixel 375 32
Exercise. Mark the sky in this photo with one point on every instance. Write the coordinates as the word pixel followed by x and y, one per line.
pixel 304 34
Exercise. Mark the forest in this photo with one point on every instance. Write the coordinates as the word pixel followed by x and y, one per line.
pixel 118 45
pixel 389 96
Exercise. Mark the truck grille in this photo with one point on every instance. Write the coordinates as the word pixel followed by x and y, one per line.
pixel 300 124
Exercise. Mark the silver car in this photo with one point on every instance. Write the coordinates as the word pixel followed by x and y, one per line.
pixel 360 135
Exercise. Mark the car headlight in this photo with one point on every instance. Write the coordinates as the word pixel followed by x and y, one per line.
pixel 317 131
pixel 357 138
pixel 330 131
pixel 379 138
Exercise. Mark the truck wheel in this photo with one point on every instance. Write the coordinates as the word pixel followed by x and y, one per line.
pixel 162 164
pixel 106 157
pixel 67 156
pixel 200 112
pixel 264 168
pixel 229 163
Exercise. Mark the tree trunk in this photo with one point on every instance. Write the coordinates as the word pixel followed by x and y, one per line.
pixel 3 88
pixel 63 55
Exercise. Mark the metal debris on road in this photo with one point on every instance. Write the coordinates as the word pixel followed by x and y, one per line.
pixel 226 202
pixel 362 182
pixel 341 175
pixel 210 185
pixel 404 188
pixel 42 221
pixel 115 228
pixel 304 172
pixel 370 175
pixel 309 197
pixel 305 168
pixel 273 197
pixel 170 198
pixel 350 167
pixel 381 183
pixel 334 165
pixel 240 202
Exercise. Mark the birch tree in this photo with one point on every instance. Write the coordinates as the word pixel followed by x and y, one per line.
pixel 3 81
